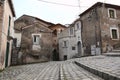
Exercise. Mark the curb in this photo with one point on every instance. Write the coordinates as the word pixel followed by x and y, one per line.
pixel 101 74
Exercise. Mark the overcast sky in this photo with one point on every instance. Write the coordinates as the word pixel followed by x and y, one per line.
pixel 53 12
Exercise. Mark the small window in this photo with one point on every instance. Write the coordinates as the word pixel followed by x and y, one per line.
pixel 36 39
pixel 114 34
pixel 71 31
pixel 73 48
pixel 15 42
pixel 65 43
pixel 77 25
pixel 55 32
pixel 9 23
pixel 112 13
pixel 65 57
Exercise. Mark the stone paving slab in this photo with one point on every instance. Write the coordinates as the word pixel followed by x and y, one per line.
pixel 42 71
pixel 70 71
pixel 103 66
pixel 63 70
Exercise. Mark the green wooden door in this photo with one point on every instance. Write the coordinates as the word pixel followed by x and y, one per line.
pixel 7 54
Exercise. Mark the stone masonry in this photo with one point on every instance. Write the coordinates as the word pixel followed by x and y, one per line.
pixel 97 26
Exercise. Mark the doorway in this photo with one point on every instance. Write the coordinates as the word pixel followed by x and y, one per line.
pixel 7 54
pixel 79 48
pixel 65 57
pixel 55 55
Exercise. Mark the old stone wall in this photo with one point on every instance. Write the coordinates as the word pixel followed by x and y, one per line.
pixel 6 20
pixel 90 30
pixel 45 45
pixel 106 24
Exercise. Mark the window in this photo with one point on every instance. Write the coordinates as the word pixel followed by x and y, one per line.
pixel 65 43
pixel 55 32
pixel 112 13
pixel 9 23
pixel 15 42
pixel 77 25
pixel 71 31
pixel 73 48
pixel 36 39
pixel 114 33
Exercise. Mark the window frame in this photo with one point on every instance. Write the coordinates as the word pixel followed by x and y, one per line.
pixel 73 48
pixel 117 32
pixel 9 25
pixel 115 16
pixel 65 44
pixel 33 39
pixel 78 25
pixel 71 30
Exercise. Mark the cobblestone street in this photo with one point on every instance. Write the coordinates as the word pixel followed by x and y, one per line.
pixel 103 66
pixel 63 70
pixel 73 72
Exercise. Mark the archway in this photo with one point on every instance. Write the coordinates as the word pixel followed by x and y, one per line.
pixel 55 55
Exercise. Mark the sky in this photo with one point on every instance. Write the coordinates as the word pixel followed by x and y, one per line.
pixel 55 13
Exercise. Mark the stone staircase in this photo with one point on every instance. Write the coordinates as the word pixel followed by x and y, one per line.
pixel 115 53
pixel 14 58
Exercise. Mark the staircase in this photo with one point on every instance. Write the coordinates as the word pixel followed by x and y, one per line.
pixel 114 52
pixel 14 57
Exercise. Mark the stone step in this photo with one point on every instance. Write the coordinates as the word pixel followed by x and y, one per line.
pixel 97 72
pixel 117 51
pixel 115 54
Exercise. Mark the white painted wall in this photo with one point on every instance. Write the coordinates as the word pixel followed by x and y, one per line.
pixel 72 41
pixel 78 35
pixel 65 36
pixel 18 37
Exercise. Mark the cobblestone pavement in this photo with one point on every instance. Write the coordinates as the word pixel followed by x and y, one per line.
pixel 71 71
pixel 63 70
pixel 106 64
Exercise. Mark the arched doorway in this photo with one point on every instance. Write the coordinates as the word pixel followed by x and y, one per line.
pixel 55 55
pixel 79 48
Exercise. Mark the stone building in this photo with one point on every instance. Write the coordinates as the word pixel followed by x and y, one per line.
pixel 70 43
pixel 33 40
pixel 100 28
pixel 57 29
pixel 78 39
pixel 7 15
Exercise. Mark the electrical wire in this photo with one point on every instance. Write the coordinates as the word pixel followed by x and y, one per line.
pixel 58 3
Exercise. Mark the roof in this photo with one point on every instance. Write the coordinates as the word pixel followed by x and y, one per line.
pixel 24 24
pixel 39 19
pixel 100 4
pixel 12 7
pixel 57 25
pixel 71 25
pixel 33 25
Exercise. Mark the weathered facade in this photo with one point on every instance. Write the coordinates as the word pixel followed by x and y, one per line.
pixel 70 43
pixel 33 40
pixel 100 28
pixel 57 29
pixel 7 15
